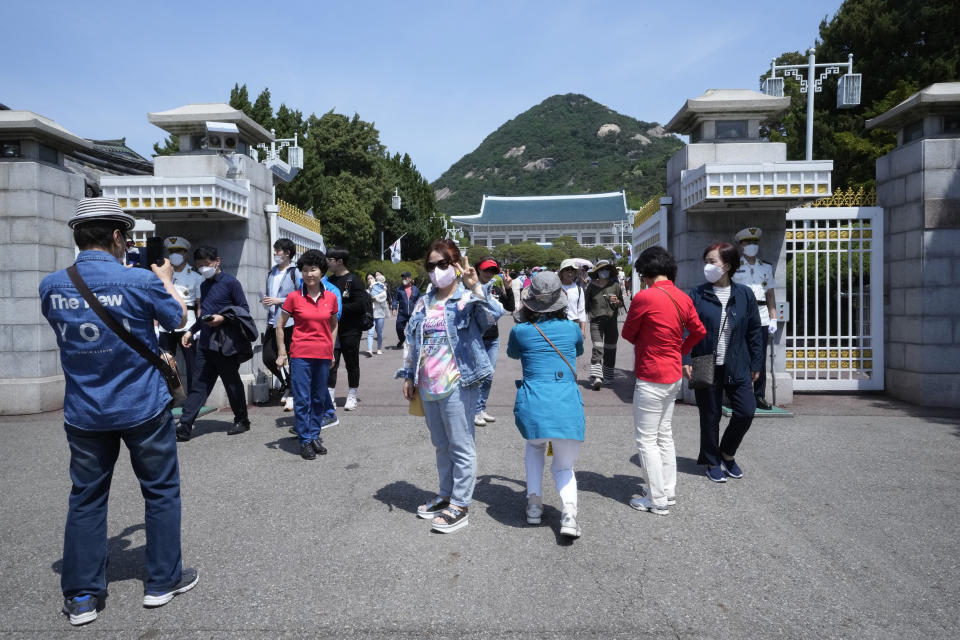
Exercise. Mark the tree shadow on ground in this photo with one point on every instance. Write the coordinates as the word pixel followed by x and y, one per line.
pixel 124 562
pixel 402 495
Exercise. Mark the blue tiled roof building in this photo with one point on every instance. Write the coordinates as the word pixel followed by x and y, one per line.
pixel 588 218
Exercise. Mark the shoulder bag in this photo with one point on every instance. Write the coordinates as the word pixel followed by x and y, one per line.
pixel 166 363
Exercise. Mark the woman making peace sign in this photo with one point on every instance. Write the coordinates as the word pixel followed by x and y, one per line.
pixel 444 361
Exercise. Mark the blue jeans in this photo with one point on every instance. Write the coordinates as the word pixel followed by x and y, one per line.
pixel 153 455
pixel 308 380
pixel 493 350
pixel 450 421
pixel 378 328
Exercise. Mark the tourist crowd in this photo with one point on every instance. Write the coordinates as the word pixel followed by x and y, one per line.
pixel 317 312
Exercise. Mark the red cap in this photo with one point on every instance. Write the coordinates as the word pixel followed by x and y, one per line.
pixel 488 264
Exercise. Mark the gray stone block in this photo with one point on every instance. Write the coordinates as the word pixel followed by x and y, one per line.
pixel 913 244
pixel 941 301
pixel 906 218
pixel 907 329
pixel 906 160
pixel 14 365
pixel 913 187
pixel 941 154
pixel 25 283
pixel 895 247
pixel 64 208
pixel 31 395
pixel 18 204
pixel 941 184
pixel 895 355
pixel 56 180
pixel 883 169
pixel 956 329
pixel 938 271
pixel 938 330
pixel 21 175
pixel 933 358
pixel 942 243
pixel 895 303
pixel 941 214
pixel 20 257
pixel 906 274
pixel 913 299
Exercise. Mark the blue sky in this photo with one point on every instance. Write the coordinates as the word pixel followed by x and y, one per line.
pixel 435 77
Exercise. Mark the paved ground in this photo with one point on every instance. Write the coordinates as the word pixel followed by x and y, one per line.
pixel 845 526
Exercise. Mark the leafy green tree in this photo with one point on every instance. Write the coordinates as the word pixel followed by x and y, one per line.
pixel 171 144
pixel 240 100
pixel 262 112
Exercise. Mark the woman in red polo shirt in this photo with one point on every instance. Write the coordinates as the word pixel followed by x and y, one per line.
pixel 314 314
pixel 658 318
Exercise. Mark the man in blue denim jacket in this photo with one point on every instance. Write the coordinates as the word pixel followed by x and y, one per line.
pixel 112 394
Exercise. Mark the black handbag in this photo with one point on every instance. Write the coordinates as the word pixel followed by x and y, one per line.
pixel 704 366
pixel 166 363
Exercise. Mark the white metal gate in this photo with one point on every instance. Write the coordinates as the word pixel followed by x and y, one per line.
pixel 834 338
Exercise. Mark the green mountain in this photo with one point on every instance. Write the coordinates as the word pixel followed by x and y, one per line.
pixel 567 144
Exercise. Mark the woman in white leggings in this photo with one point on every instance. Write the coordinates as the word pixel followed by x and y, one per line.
pixel 549 407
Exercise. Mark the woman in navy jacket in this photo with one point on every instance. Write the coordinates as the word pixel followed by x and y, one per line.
pixel 725 305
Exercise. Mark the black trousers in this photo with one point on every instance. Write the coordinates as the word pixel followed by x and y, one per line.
pixel 270 351
pixel 402 329
pixel 350 349
pixel 210 366
pixel 760 386
pixel 169 341
pixel 709 401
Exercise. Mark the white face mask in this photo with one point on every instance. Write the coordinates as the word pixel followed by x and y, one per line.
pixel 207 272
pixel 443 277
pixel 712 272
pixel 751 250
pixel 603 273
pixel 278 259
pixel 176 259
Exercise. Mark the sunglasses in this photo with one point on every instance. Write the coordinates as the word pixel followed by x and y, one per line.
pixel 492 270
pixel 442 264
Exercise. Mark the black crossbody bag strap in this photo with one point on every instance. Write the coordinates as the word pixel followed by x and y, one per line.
pixel 117 328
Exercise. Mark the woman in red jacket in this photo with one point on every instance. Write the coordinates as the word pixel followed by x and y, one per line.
pixel 658 318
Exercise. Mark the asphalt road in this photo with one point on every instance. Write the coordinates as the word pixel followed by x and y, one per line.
pixel 844 526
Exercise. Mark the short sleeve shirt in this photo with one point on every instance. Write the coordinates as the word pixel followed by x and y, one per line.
pixel 439 375
pixel 311 324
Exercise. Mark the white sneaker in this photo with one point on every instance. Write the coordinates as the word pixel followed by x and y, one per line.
pixel 379 352
pixel 351 403
pixel 478 420
pixel 288 405
pixel 534 509
pixel 487 416
pixel 643 503
pixel 568 521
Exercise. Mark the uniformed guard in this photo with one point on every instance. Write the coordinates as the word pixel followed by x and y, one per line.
pixel 758 275
pixel 187 282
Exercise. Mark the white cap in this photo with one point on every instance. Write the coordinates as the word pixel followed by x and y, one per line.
pixel 176 242
pixel 92 209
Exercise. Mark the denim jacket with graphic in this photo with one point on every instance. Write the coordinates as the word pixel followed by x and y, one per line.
pixel 467 316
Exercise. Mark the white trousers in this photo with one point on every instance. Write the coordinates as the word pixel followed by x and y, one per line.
pixel 653 421
pixel 564 456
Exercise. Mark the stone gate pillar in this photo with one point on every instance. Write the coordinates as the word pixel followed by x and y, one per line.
pixel 918 186
pixel 37 197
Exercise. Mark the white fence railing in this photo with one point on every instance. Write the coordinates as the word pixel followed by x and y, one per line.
pixel 147 194
pixel 755 181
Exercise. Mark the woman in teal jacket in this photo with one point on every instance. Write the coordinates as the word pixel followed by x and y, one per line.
pixel 549 407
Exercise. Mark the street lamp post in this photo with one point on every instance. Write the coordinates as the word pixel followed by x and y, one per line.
pixel 848 88
pixel 621 226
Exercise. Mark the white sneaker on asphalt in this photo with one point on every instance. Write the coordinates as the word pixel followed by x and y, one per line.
pixel 643 503
pixel 288 404
pixel 568 521
pixel 478 420
pixel 351 403
pixel 486 416
pixel 534 509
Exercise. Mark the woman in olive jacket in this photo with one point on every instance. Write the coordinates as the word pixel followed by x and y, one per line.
pixel 725 305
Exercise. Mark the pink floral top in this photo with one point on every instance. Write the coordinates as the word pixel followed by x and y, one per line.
pixel 439 375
